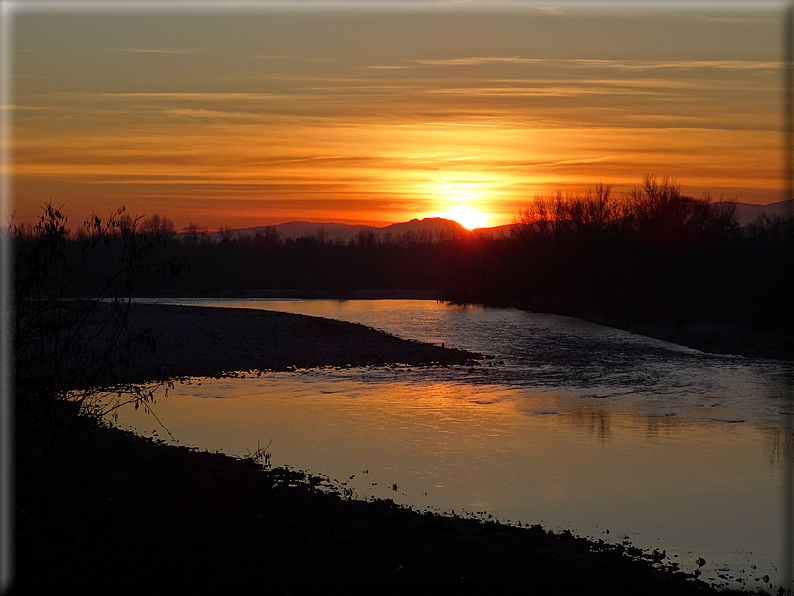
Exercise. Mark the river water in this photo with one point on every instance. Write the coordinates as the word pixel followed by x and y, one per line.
pixel 567 424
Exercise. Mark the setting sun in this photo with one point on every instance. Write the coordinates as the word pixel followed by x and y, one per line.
pixel 466 216
pixel 458 192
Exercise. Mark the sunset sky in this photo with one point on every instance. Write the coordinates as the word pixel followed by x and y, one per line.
pixel 244 114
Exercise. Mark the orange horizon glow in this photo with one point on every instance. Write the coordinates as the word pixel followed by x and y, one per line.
pixel 253 127
pixel 232 180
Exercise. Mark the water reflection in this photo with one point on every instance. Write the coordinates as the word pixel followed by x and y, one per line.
pixel 691 488
pixel 624 371
pixel 781 447
pixel 571 425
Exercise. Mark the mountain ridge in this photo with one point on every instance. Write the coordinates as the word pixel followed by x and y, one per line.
pixel 429 226
pixel 435 227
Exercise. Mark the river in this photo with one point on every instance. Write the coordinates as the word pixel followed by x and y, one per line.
pixel 567 424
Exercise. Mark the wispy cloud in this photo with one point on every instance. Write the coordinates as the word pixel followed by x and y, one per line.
pixel 681 64
pixel 619 64
pixel 769 19
pixel 176 95
pixel 668 119
pixel 176 51
pixel 202 113
pixel 523 164
pixel 548 91
pixel 290 57
pixel 473 60
pixel 18 107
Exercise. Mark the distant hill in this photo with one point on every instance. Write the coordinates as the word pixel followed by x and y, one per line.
pixel 437 227
pixel 430 227
pixel 748 212
pixel 496 231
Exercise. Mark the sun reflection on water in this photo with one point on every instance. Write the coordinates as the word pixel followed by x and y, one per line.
pixel 698 488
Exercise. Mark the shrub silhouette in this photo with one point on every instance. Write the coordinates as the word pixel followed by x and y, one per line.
pixel 73 345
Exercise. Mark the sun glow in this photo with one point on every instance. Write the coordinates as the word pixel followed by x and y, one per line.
pixel 466 216
pixel 456 193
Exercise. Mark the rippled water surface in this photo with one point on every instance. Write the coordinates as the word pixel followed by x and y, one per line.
pixel 568 424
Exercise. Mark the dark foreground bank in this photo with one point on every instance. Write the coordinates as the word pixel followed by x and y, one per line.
pixel 133 516
pixel 129 515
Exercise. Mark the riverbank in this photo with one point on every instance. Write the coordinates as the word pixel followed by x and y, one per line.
pixel 714 337
pixel 724 337
pixel 197 341
pixel 732 338
pixel 130 515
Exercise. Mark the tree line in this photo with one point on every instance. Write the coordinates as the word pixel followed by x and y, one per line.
pixel 650 253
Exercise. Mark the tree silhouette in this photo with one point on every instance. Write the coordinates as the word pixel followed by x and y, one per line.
pixel 73 346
